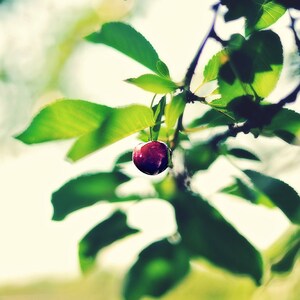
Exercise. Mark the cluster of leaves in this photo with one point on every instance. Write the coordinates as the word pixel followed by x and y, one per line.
pixel 246 70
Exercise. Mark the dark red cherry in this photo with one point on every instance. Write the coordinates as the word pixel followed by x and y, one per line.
pixel 152 157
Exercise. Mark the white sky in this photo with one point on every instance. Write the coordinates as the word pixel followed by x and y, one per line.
pixel 32 246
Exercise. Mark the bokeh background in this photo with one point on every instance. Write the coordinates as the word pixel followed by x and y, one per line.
pixel 43 57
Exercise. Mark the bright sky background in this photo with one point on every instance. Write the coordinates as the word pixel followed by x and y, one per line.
pixel 32 246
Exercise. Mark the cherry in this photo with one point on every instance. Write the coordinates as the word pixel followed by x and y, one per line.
pixel 152 157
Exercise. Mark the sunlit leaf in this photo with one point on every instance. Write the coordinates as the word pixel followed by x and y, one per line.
pixel 64 119
pixel 211 70
pixel 104 234
pixel 205 233
pixel 242 153
pixel 153 83
pixel 253 68
pixel 158 269
pixel 280 193
pixel 259 14
pixel 173 110
pixel 120 123
pixel 240 189
pixel 127 40
pixel 87 190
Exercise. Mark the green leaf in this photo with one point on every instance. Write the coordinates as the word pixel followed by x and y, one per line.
pixel 120 123
pixel 271 12
pixel 212 118
pixel 253 68
pixel 87 190
pixel 64 119
pixel 205 233
pixel 127 40
pixel 200 157
pixel 124 158
pixel 211 70
pixel 158 269
pixel 287 261
pixel 159 111
pixel 173 110
pixel 242 153
pixel 153 83
pixel 240 189
pixel 104 234
pixel 280 193
pixel 259 14
pixel 286 125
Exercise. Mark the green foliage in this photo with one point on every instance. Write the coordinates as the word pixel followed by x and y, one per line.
pixel 280 193
pixel 87 190
pixel 120 123
pixel 153 83
pixel 102 235
pixel 204 233
pixel 158 268
pixel 127 40
pixel 246 70
pixel 259 14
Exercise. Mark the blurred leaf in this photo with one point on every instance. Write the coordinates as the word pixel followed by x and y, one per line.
pixel 158 111
pixel 162 69
pixel 127 40
pixel 212 118
pixel 211 70
pixel 280 193
pixel 87 190
pixel 158 269
pixel 64 119
pixel 120 123
pixel 242 153
pixel 289 3
pixel 104 234
pixel 207 234
pixel 165 188
pixel 153 83
pixel 286 125
pixel 173 110
pixel 253 68
pixel 240 189
pixel 200 157
pixel 287 261
pixel 259 14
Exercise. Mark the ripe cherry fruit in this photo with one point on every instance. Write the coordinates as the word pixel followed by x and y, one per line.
pixel 152 157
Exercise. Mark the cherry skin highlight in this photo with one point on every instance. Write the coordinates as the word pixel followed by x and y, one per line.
pixel 152 157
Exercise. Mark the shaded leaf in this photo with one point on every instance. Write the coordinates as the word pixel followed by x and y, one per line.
pixel 120 123
pixel 153 83
pixel 64 119
pixel 207 234
pixel 124 158
pixel 240 189
pixel 253 68
pixel 104 234
pixel 127 40
pixel 200 157
pixel 287 261
pixel 259 14
pixel 242 153
pixel 280 193
pixel 289 3
pixel 158 269
pixel 87 190
pixel 173 110
pixel 286 125
pixel 212 118
pixel 158 111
